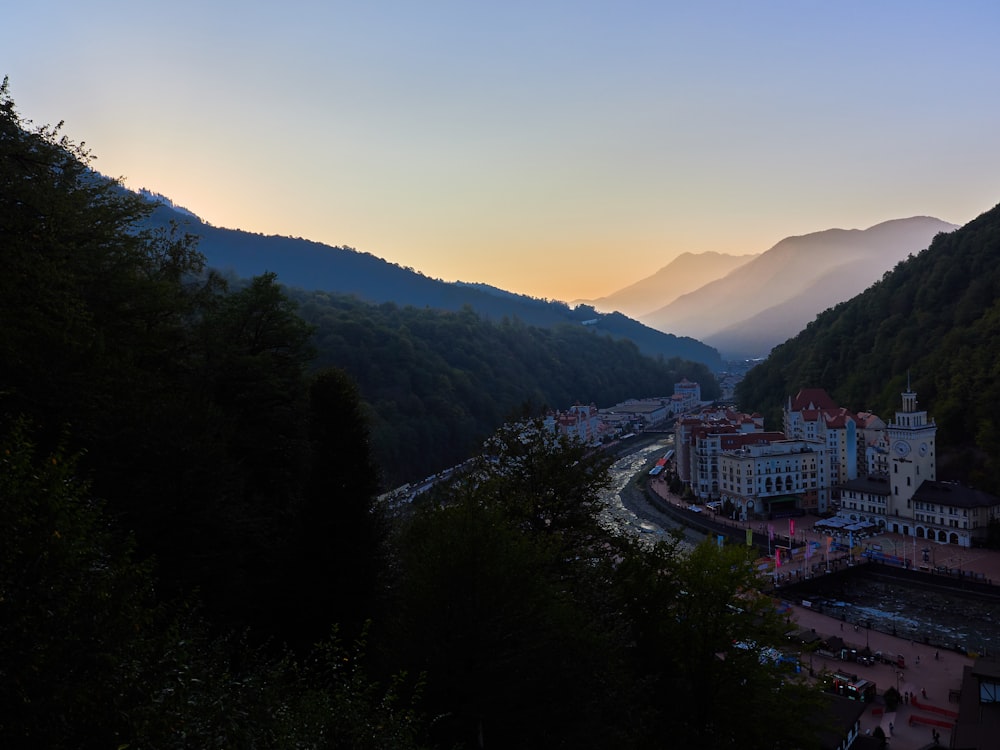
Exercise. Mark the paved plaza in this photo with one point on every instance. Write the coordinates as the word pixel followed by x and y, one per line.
pixel 940 678
pixel 930 672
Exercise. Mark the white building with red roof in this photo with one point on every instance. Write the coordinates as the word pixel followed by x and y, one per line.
pixel 775 479
pixel 813 415
pixel 700 438
pixel 687 396
pixel 907 498
pixel 580 421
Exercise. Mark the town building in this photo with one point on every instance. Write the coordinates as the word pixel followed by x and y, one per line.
pixel 686 398
pixel 865 501
pixel 775 479
pixel 644 414
pixel 812 415
pixel 700 438
pixel 907 499
pixel 581 422
pixel 872 475
pixel 873 445
pixel 978 722
pixel 948 512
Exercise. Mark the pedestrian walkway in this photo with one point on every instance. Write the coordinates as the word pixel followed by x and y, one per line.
pixel 930 678
pixel 797 533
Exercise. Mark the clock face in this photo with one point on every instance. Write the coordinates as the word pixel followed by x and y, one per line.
pixel 902 448
pixel 923 449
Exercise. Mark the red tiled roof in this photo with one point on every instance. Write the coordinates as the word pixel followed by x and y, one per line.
pixel 812 398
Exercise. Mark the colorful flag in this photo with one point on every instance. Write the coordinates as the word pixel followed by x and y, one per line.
pixel 777 557
pixel 770 532
pixel 749 537
pixel 719 539
pixel 791 527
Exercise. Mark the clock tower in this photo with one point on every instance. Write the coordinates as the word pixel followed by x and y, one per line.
pixel 911 460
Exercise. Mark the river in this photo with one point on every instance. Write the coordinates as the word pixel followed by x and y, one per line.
pixel 958 620
pixel 626 508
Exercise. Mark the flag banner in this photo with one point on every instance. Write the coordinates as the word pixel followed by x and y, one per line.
pixel 829 541
pixel 770 532
pixel 809 551
pixel 720 538
pixel 749 537
pixel 791 527
pixel 777 558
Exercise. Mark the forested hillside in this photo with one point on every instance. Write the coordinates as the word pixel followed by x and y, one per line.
pixel 935 319
pixel 192 553
pixel 438 383
pixel 343 270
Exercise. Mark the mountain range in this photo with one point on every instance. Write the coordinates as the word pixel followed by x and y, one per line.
pixel 309 265
pixel 765 299
pixel 685 273
pixel 705 307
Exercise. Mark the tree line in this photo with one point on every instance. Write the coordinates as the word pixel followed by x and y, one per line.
pixel 437 383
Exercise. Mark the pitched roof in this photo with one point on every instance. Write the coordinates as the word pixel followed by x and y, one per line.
pixel 870 485
pixel 812 398
pixel 954 494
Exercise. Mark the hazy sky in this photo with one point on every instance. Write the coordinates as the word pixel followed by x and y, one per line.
pixel 558 149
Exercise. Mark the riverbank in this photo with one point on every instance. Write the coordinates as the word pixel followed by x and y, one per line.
pixel 636 500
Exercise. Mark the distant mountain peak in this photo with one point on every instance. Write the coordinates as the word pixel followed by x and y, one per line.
pixel 777 293
pixel 928 325
pixel 686 272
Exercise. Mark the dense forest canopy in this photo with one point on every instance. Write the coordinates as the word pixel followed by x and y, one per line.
pixel 932 322
pixel 192 553
pixel 168 463
pixel 444 381
pixel 345 270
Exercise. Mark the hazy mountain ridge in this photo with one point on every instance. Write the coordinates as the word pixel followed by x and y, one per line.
pixel 933 322
pixel 312 265
pixel 685 273
pixel 774 295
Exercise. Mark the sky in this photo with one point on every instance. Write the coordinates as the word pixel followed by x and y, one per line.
pixel 560 149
